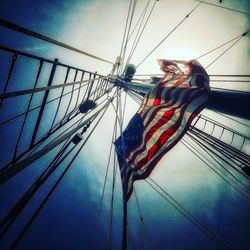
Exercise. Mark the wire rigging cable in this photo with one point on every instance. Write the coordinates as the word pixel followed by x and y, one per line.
pixel 9 219
pixel 29 32
pixel 143 222
pixel 205 230
pixel 125 37
pixel 114 172
pixel 13 213
pixel 221 45
pixel 139 35
pixel 98 219
pixel 223 7
pixel 139 28
pixel 128 32
pixel 232 119
pixel 125 30
pixel 139 19
pixel 214 155
pixel 172 31
pixel 244 34
pixel 213 167
pixel 35 214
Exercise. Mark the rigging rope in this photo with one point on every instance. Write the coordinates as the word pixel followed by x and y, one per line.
pixel 35 214
pixel 244 34
pixel 139 19
pixel 213 155
pixel 138 30
pixel 223 7
pixel 211 75
pixel 112 202
pixel 136 41
pixel 9 219
pixel 14 212
pixel 128 32
pixel 114 173
pixel 29 32
pixel 134 98
pixel 204 229
pixel 210 51
pixel 125 30
pixel 16 167
pixel 169 33
pixel 230 118
pixel 104 187
pixel 143 222
pixel 213 167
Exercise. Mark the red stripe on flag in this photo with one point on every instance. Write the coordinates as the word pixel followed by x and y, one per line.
pixel 152 164
pixel 152 117
pixel 162 139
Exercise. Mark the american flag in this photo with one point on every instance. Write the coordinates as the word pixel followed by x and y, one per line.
pixel 162 119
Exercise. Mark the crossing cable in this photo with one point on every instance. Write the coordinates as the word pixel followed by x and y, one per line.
pixel 133 48
pixel 244 34
pixel 139 19
pixel 210 75
pixel 16 167
pixel 47 134
pixel 143 222
pixel 115 163
pixel 231 118
pixel 213 167
pixel 57 126
pixel 210 51
pixel 241 81
pixel 213 155
pixel 231 179
pixel 15 211
pixel 139 34
pixel 113 183
pixel 123 168
pixel 196 222
pixel 223 7
pixel 103 188
pixel 211 80
pixel 38 144
pixel 138 30
pixel 36 107
pixel 40 36
pixel 136 95
pixel 110 224
pixel 10 218
pixel 29 152
pixel 124 33
pixel 35 214
pixel 30 91
pixel 225 148
pixel 174 29
pixel 134 98
pixel 27 110
pixel 128 32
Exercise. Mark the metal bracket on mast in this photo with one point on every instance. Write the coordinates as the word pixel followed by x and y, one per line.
pixel 117 64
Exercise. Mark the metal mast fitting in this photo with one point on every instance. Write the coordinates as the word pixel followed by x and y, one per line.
pixel 129 72
pixel 86 106
pixel 117 64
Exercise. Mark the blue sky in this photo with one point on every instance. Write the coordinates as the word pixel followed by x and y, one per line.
pixel 68 219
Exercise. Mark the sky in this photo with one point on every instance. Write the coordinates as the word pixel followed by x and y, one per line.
pixel 68 219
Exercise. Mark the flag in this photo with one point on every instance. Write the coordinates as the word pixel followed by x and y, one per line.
pixel 163 118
